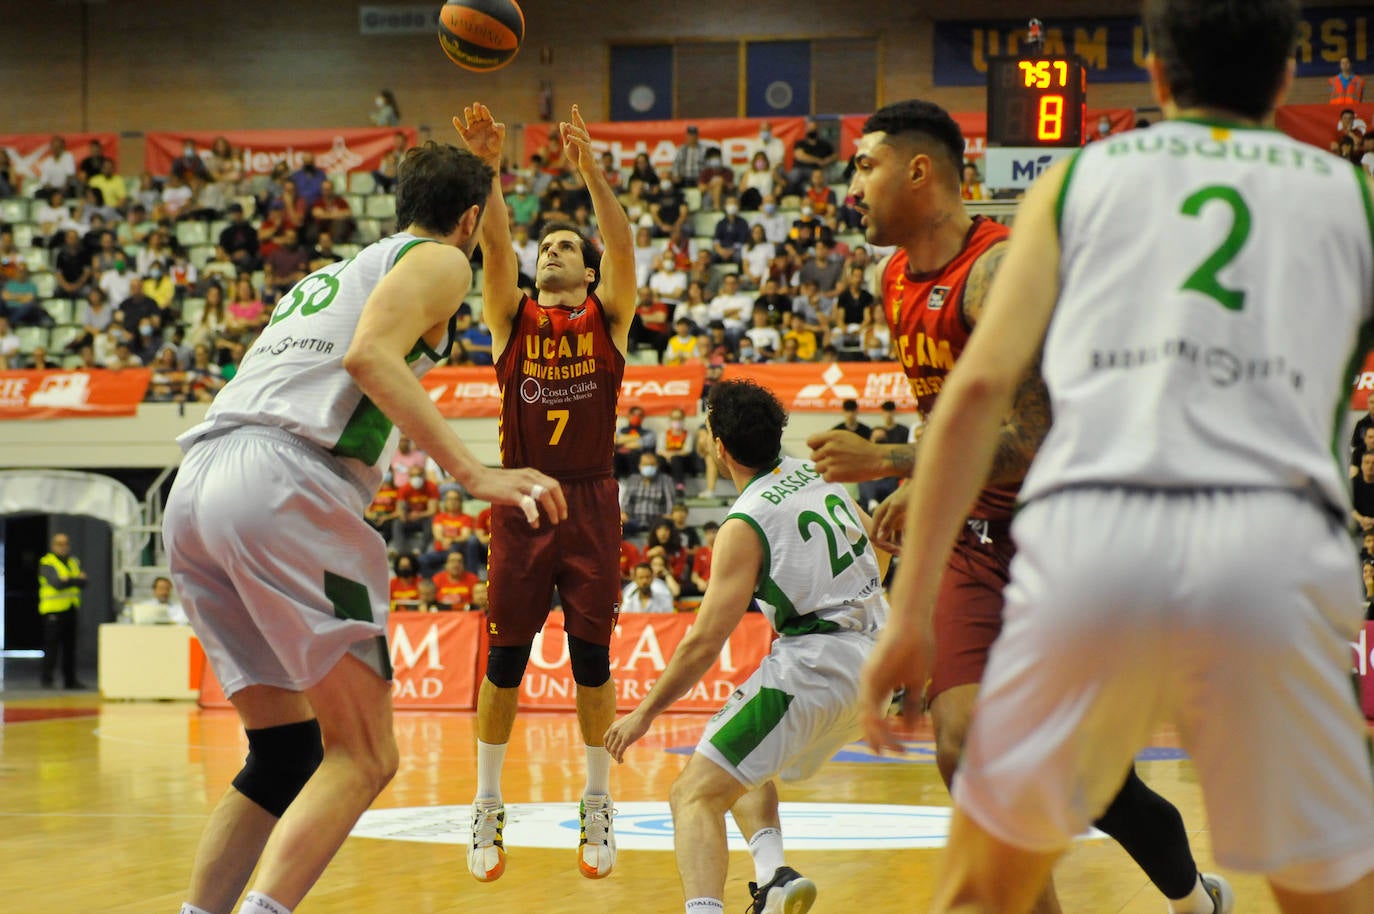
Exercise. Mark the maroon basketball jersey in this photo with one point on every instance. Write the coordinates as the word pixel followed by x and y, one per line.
pixel 560 379
pixel 925 312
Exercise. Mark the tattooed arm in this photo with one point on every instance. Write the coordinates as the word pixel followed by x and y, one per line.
pixel 1025 427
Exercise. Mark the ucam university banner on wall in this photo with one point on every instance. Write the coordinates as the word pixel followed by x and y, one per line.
pixel 438 660
pixel 1114 48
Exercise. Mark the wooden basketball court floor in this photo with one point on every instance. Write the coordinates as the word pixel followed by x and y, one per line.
pixel 101 805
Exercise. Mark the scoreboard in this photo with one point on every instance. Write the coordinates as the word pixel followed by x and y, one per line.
pixel 1037 106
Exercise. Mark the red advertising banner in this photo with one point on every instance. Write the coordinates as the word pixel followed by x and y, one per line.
pixel 974 125
pixel 1316 124
pixel 438 659
pixel 69 394
pixel 1363 385
pixel 641 647
pixel 471 393
pixel 433 659
pixel 736 136
pixel 27 151
pixel 821 387
pixel 335 150
pixel 1363 648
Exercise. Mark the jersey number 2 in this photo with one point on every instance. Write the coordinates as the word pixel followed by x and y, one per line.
pixel 1204 279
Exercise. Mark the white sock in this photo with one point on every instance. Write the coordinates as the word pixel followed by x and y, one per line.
pixel 1197 902
pixel 705 906
pixel 490 758
pixel 258 903
pixel 766 849
pixel 598 771
pixel 188 908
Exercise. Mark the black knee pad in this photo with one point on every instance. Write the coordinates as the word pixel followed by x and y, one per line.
pixel 506 665
pixel 591 663
pixel 280 761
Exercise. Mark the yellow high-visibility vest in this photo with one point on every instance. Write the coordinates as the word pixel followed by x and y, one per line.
pixel 54 599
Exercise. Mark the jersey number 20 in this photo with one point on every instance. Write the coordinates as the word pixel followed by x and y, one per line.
pixel 835 506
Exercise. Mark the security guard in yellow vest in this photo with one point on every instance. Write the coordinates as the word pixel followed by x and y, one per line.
pixel 60 581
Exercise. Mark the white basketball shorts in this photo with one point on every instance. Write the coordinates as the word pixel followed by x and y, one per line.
pixel 278 571
pixel 796 710
pixel 1227 613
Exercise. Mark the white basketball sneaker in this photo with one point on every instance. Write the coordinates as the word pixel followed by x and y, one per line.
pixel 596 849
pixel 486 851
pixel 1219 890
pixel 788 892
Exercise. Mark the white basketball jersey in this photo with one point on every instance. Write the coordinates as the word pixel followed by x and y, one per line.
pixel 820 573
pixel 293 378
pixel 1213 283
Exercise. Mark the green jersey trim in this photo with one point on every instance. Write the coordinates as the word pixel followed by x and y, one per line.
pixel 760 474
pixel 365 434
pixel 1063 197
pixel 787 620
pixel 351 602
pixel 750 725
pixel 420 345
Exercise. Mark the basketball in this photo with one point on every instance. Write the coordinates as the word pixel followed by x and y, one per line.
pixel 481 35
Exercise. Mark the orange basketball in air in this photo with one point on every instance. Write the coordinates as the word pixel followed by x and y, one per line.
pixel 481 35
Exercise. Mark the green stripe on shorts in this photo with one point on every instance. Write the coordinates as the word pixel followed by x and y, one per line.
pixel 751 725
pixel 351 602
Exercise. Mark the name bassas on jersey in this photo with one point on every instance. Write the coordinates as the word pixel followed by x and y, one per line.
pixel 790 484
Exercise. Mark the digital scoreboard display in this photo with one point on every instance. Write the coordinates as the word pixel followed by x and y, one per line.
pixel 1036 101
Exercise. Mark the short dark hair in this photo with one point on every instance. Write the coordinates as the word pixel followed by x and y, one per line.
pixel 748 420
pixel 436 183
pixel 849 405
pixel 1223 54
pixel 591 257
pixel 888 406
pixel 919 119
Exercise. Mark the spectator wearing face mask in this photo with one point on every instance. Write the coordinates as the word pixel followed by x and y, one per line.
pixel 419 503
pixel 645 497
pixel 679 450
pixel 189 163
pixel 808 229
pixel 632 440
pixel 524 205
pixel 811 153
pixel 730 236
pixel 761 179
pixel 775 227
pixel 716 181
pixel 667 208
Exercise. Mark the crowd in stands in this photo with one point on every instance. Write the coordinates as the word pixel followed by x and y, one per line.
pixel 1362 500
pixel 177 272
pixel 180 271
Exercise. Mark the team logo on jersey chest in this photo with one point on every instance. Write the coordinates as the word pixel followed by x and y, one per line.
pixel 936 301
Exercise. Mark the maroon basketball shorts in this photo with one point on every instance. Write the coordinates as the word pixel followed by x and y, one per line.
pixel 968 608
pixel 580 556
